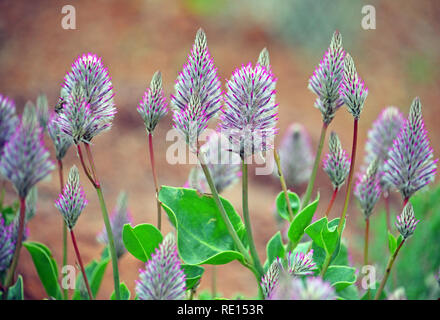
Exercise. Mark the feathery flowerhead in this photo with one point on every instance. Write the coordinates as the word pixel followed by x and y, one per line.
pixel 336 164
pixel 296 155
pixel 223 165
pixel 42 110
pixel 198 78
pixel 410 165
pixel 8 120
pixel 353 90
pixel 310 288
pixel 250 112
pixel 25 160
pixel 368 190
pixel 7 244
pixel 264 59
pixel 406 222
pixel 153 107
pixel 61 141
pixel 73 200
pixel 327 78
pixel 301 263
pixel 163 277
pixel 87 99
pixel 270 280
pixel 381 136
pixel 120 217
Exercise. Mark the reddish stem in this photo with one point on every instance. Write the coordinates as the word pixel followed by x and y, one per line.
pixel 156 184
pixel 92 163
pixel 330 205
pixel 405 201
pixel 86 169
pixel 83 271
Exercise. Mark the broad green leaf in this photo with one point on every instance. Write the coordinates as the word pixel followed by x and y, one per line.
pixel 282 210
pixel 350 292
pixel 124 292
pixel 142 240
pixel 46 268
pixel 15 292
pixel 392 242
pixel 192 274
pixel 301 221
pixel 324 234
pixel 340 277
pixel 202 236
pixel 274 248
pixel 95 272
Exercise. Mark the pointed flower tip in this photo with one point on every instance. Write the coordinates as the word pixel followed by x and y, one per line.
pixel 406 223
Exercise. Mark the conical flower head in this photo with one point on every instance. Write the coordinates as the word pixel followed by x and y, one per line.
pixel 7 244
pixel 87 84
pixel 42 110
pixel 61 141
pixel 381 136
pixel 310 288
pixel 301 263
pixel 163 277
pixel 296 155
pixel 25 160
pixel 336 164
pixel 153 107
pixel 119 218
pixel 223 165
pixel 198 78
pixel 367 189
pixel 270 280
pixel 264 58
pixel 406 222
pixel 353 90
pixel 72 201
pixel 250 112
pixel 327 78
pixel 8 120
pixel 410 165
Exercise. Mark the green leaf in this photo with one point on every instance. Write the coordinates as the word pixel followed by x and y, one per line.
pixel 351 292
pixel 15 292
pixel 142 240
pixel 124 292
pixel 192 274
pixel 302 221
pixel 324 234
pixel 46 268
pixel 282 210
pixel 372 293
pixel 95 272
pixel 392 242
pixel 340 277
pixel 202 236
pixel 274 248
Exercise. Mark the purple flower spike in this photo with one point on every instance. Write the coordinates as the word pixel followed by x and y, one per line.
pixel 353 90
pixel 381 136
pixel 120 217
pixel 8 120
pixel 310 288
pixel 73 200
pixel 7 244
pixel 250 113
pixel 87 105
pixel 296 155
pixel 368 190
pixel 301 263
pixel 336 164
pixel 25 160
pixel 327 78
pixel 198 78
pixel 406 222
pixel 410 165
pixel 163 277
pixel 61 141
pixel 153 107
pixel 270 280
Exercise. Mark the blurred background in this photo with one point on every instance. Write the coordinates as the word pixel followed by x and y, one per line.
pixel 398 61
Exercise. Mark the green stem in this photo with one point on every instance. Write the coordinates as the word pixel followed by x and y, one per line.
pixel 10 275
pixel 283 184
pixel 214 282
pixel 61 177
pixel 309 189
pixel 156 184
pixel 81 265
pixel 111 242
pixel 388 270
pixel 367 229
pixel 247 220
pixel 2 194
pixel 386 198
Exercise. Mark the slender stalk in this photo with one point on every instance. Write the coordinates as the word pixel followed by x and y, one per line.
pixel 405 201
pixel 61 177
pixel 111 242
pixel 386 198
pixel 309 189
pixel 156 184
pixel 283 184
pixel 388 270
pixel 81 265
pixel 223 213
pixel 10 275
pixel 214 282
pixel 350 176
pixel 247 219
pixel 367 229
pixel 332 201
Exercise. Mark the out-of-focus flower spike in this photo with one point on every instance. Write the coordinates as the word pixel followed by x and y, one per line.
pixel 42 110
pixel 310 288
pixel 368 190
pixel 406 222
pixel 61 141
pixel 263 58
pixel 8 120
pixel 8 240
pixel 72 201
pixel 336 164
